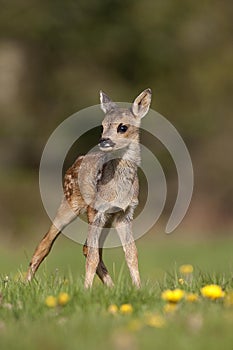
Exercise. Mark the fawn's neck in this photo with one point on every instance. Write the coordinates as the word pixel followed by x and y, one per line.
pixel 133 153
pixel 130 156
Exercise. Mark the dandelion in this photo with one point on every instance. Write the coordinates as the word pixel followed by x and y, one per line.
pixel 113 309
pixel 186 269
pixel 181 281
pixel 51 301
pixel 170 308
pixel 191 297
pixel 63 298
pixel 126 309
pixel 212 291
pixel 155 320
pixel 173 296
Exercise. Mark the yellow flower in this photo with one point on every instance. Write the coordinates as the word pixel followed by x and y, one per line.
pixel 63 298
pixel 126 309
pixel 169 308
pixel 113 309
pixel 51 301
pixel 173 296
pixel 191 297
pixel 212 291
pixel 181 281
pixel 186 269
pixel 155 320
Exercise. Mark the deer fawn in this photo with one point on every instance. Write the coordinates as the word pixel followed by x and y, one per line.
pixel 104 185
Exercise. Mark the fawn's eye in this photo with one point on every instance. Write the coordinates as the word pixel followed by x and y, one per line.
pixel 101 129
pixel 122 128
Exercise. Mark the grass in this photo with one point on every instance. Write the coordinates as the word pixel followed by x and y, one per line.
pixel 85 322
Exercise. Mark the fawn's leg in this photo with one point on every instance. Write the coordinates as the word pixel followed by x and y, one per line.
pixel 101 270
pixel 124 229
pixel 64 216
pixel 93 253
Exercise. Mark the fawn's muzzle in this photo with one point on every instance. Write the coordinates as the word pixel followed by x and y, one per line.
pixel 106 143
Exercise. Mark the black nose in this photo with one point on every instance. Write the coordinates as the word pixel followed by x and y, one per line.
pixel 106 143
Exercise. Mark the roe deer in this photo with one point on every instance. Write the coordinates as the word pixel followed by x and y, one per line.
pixel 104 185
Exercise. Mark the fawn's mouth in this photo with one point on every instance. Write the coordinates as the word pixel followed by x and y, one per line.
pixel 106 144
pixel 105 148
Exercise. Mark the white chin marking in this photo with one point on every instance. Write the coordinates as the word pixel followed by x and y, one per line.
pixel 106 149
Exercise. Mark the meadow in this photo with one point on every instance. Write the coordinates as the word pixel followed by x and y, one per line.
pixel 55 312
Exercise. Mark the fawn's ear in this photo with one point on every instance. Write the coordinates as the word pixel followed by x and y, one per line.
pixel 106 103
pixel 141 103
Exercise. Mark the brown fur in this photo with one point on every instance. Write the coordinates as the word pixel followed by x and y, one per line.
pixel 104 185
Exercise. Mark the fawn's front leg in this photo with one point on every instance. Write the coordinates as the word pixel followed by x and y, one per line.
pixel 123 226
pixel 96 224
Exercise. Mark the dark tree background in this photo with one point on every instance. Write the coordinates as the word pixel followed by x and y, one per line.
pixel 55 56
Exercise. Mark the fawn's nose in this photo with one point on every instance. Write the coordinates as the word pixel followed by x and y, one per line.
pixel 105 143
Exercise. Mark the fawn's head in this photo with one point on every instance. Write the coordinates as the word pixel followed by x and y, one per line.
pixel 120 127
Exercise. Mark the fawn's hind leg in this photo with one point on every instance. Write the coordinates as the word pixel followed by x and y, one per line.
pixel 123 226
pixel 101 270
pixel 97 221
pixel 64 216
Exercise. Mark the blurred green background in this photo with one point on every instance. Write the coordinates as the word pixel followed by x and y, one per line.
pixel 55 56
